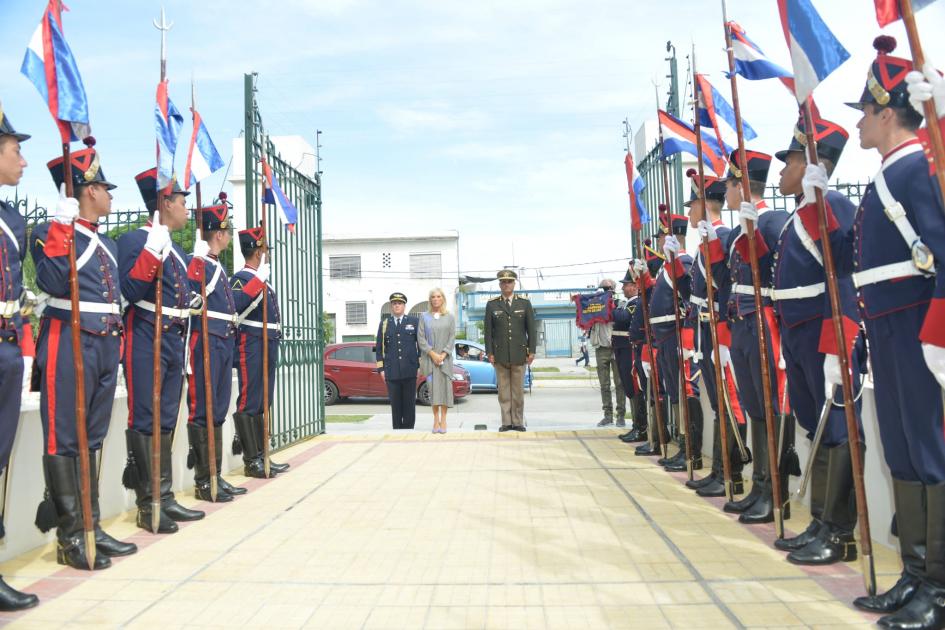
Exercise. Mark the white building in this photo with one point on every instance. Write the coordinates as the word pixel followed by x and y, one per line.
pixel 362 270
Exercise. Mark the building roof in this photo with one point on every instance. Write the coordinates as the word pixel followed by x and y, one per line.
pixel 449 235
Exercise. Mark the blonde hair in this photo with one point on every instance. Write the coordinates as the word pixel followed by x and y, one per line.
pixel 433 292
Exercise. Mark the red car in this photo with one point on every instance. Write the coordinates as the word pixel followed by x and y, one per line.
pixel 350 370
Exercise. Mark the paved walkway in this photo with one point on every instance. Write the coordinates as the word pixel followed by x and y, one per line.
pixel 469 530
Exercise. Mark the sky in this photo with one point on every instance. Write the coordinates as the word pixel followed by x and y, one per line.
pixel 501 120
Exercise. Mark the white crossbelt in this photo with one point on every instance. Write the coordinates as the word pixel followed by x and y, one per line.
pixel 85 307
pixel 799 293
pixel 613 333
pixel 9 309
pixel 747 289
pixel 6 230
pixel 885 272
pixel 227 317
pixel 662 319
pixel 270 325
pixel 702 302
pixel 94 243
pixel 166 311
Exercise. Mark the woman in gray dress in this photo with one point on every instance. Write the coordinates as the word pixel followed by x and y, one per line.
pixel 436 336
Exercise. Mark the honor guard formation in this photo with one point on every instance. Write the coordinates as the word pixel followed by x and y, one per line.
pixel 779 317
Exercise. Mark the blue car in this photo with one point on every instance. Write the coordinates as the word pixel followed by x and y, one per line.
pixel 472 356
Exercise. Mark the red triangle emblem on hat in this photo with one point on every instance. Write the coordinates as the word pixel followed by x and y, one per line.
pixel 83 159
pixel 893 71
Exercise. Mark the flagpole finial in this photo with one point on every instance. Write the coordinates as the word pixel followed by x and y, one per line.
pixel 164 27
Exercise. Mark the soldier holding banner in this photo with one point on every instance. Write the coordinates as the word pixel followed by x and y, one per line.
pixel 54 371
pixel 250 287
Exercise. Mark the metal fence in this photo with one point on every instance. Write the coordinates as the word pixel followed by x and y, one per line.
pixel 299 406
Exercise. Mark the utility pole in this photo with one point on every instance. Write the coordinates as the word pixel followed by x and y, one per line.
pixel 672 107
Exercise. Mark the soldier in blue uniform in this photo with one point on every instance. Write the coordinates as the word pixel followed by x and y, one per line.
pixel 624 355
pixel 895 250
pixel 731 259
pixel 12 331
pixel 216 231
pixel 54 370
pixel 644 271
pixel 247 285
pixel 140 253
pixel 398 360
pixel 703 212
pixel 803 309
pixel 663 310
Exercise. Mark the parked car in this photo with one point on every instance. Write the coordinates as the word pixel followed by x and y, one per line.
pixel 472 356
pixel 350 371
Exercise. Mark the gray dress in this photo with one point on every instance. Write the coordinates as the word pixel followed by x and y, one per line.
pixel 438 334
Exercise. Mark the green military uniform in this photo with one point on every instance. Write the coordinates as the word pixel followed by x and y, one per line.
pixel 510 339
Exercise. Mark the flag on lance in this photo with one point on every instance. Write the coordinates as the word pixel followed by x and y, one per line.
pixel 638 213
pixel 288 213
pixel 203 159
pixel 716 113
pixel 887 11
pixel 750 61
pixel 167 125
pixel 815 52
pixel 50 66
pixel 679 137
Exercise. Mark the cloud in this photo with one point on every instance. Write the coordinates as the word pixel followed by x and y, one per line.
pixel 432 118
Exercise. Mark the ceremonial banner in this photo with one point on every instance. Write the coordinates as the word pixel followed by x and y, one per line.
pixel 815 52
pixel 167 123
pixel 288 213
pixel 680 137
pixel 638 213
pixel 593 308
pixel 887 11
pixel 206 159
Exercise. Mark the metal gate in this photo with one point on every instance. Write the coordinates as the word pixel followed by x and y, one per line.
pixel 558 333
pixel 298 406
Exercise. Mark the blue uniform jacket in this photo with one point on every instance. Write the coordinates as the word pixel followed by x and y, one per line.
pixel 767 231
pixel 874 241
pixel 795 266
pixel 98 275
pixel 12 254
pixel 138 268
pixel 219 297
pixel 623 316
pixel 396 348
pixel 699 289
pixel 662 302
pixel 246 289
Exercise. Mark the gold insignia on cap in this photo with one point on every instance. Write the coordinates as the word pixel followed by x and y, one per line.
pixel 876 89
pixel 800 136
pixel 734 170
pixel 94 168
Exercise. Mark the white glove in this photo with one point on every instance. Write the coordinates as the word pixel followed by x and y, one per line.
pixel 747 212
pixel 833 377
pixel 671 246
pixel 926 85
pixel 637 269
pixel 67 208
pixel 201 248
pixel 159 238
pixel 724 354
pixel 935 360
pixel 263 271
pixel 707 230
pixel 815 176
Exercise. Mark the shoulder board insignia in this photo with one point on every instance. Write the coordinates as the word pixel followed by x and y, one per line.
pixel 520 297
pixel 237 284
pixel 498 297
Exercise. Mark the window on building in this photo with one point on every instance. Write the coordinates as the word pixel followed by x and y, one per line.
pixel 427 266
pixel 355 313
pixel 342 267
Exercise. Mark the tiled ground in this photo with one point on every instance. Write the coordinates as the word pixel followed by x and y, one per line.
pixel 475 530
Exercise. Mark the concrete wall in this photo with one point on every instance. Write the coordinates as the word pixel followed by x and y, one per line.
pixel 25 481
pixel 876 473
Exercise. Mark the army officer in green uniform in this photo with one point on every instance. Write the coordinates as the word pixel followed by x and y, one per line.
pixel 510 344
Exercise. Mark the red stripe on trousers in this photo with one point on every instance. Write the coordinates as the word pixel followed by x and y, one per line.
pixel 244 373
pixel 52 355
pixel 129 363
pixel 192 381
pixel 772 326
pixel 736 407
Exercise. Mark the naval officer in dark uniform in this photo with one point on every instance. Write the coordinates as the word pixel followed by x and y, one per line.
pixel 398 360
pixel 510 343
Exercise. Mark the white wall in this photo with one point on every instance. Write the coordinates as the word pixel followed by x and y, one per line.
pixel 377 282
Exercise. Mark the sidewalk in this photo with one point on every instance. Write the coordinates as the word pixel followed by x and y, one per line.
pixel 562 529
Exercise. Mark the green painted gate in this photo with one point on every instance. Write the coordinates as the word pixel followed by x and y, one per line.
pixel 298 406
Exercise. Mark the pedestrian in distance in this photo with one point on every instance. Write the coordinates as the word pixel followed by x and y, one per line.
pixel 585 356
pixel 436 337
